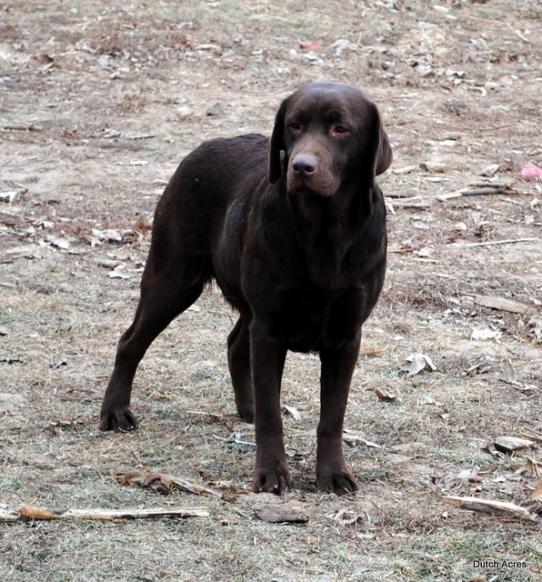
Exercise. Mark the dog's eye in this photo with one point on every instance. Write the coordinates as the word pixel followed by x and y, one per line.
pixel 341 129
pixel 295 125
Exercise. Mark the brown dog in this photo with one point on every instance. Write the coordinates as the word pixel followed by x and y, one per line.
pixel 294 232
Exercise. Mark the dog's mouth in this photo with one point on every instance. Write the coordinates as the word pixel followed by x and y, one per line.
pixel 311 185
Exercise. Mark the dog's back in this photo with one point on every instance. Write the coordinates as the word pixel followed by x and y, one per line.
pixel 190 215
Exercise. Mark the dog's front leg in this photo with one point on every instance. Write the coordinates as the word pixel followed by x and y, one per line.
pixel 337 368
pixel 267 363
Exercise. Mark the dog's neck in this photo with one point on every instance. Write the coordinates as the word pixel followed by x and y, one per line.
pixel 326 229
pixel 338 216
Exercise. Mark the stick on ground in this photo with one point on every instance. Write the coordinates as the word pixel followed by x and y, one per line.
pixel 508 241
pixel 501 304
pixel 26 512
pixel 491 506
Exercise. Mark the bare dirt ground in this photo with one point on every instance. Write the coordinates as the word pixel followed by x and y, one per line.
pixel 98 105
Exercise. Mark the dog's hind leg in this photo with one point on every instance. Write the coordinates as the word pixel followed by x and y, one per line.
pixel 168 287
pixel 239 363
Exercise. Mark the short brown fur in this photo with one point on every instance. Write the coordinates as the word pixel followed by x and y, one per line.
pixel 293 230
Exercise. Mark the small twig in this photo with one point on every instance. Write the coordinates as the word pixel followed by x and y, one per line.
pixel 485 191
pixel 508 241
pixel 142 136
pixel 491 506
pixel 212 415
pixel 22 128
pixel 234 439
pixel 518 34
pixel 494 127
pixel 354 439
pixel 501 303
pixel 400 196
pixel 409 203
pixel 424 260
pixel 532 434
pixel 486 20
pixel 399 249
pixel 482 189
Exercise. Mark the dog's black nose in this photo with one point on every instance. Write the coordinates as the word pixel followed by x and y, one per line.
pixel 304 165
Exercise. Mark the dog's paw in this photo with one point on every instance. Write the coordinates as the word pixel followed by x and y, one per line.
pixel 119 419
pixel 339 482
pixel 271 480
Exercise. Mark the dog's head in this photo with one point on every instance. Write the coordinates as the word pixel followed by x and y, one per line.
pixel 326 134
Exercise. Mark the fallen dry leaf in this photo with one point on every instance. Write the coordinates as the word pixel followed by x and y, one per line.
pixel 434 167
pixel 419 363
pixel 385 395
pixel 143 224
pixel 341 45
pixel 372 351
pixel 291 411
pixel 116 273
pixel 482 365
pixel 230 486
pixel 501 304
pixel 535 329
pixel 109 235
pixel 471 474
pixel 490 170
pixel 346 517
pixel 161 483
pixel 353 439
pixel 58 242
pixel 485 334
pixel 9 196
pixel 537 493
pixel 531 468
pixel 291 512
pixel 507 444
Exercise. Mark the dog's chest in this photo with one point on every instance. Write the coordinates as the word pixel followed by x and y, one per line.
pixel 310 318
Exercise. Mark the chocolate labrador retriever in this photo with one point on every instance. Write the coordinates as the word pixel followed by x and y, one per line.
pixel 293 230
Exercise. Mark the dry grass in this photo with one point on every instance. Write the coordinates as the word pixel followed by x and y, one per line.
pixel 97 105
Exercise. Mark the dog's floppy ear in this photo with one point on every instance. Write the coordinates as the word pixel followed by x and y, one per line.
pixel 276 145
pixel 384 156
pixel 379 149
